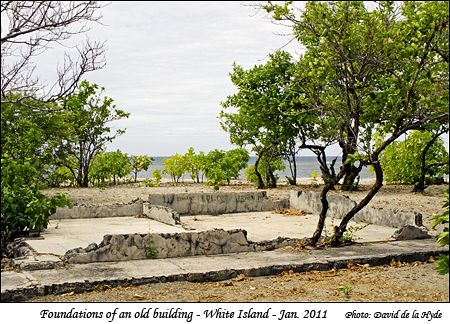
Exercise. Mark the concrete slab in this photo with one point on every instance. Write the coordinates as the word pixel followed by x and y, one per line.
pixel 65 234
pixel 267 226
pixel 83 277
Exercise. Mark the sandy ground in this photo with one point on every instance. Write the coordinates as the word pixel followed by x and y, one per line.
pixel 398 282
pixel 395 283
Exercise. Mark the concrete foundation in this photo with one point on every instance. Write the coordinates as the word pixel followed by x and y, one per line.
pixel 123 247
pixel 217 203
pixel 161 214
pixel 339 205
pixel 117 210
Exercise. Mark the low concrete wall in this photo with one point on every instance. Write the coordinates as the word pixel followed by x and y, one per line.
pixel 123 247
pixel 217 202
pixel 339 205
pixel 161 214
pixel 117 210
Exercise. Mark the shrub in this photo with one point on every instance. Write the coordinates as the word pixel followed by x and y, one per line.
pixel 24 209
pixel 401 161
pixel 442 238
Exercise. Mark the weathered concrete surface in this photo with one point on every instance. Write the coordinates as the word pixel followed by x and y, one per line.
pixel 339 205
pixel 16 286
pixel 124 247
pixel 409 232
pixel 217 203
pixel 117 210
pixel 161 214
pixel 65 234
pixel 268 226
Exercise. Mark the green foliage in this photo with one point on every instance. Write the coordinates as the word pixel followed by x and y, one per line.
pixel 175 167
pixel 140 162
pixel 314 176
pixel 109 165
pixel 195 164
pixel 349 236
pixel 401 161
pixel 250 174
pixel 30 131
pixel 58 176
pixel 24 208
pixel 157 176
pixel 346 290
pixel 266 167
pixel 442 238
pixel 87 115
pixel 266 112
pixel 151 252
pixel 222 166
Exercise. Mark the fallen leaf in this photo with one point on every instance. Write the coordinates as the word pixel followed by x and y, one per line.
pixel 240 277
pixel 224 284
pixel 137 296
pixel 252 288
pixel 68 294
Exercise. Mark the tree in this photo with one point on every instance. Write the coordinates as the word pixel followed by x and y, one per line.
pixel 140 162
pixel 376 72
pixel 263 113
pixel 29 29
pixel 267 168
pixel 87 117
pixel 417 160
pixel 222 166
pixel 175 167
pixel 109 165
pixel 195 164
pixel 31 135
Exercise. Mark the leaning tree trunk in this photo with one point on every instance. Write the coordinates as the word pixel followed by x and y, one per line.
pixel 339 230
pixel 323 213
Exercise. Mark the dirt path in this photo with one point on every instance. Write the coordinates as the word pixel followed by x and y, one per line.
pixel 398 282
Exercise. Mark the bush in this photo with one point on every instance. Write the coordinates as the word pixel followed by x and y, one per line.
pixel 23 208
pixel 222 166
pixel 442 238
pixel 174 167
pixel 157 176
pixel 401 161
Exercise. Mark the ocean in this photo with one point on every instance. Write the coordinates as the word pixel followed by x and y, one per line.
pixel 305 166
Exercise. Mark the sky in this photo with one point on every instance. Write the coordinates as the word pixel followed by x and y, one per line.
pixel 168 65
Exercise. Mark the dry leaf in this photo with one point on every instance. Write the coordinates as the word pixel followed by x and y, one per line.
pixel 240 277
pixel 137 296
pixel 224 284
pixel 290 212
pixel 252 288
pixel 68 294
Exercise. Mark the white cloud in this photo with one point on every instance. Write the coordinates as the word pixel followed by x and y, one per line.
pixel 168 65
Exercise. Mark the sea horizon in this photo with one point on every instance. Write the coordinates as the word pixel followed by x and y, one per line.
pixel 305 166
